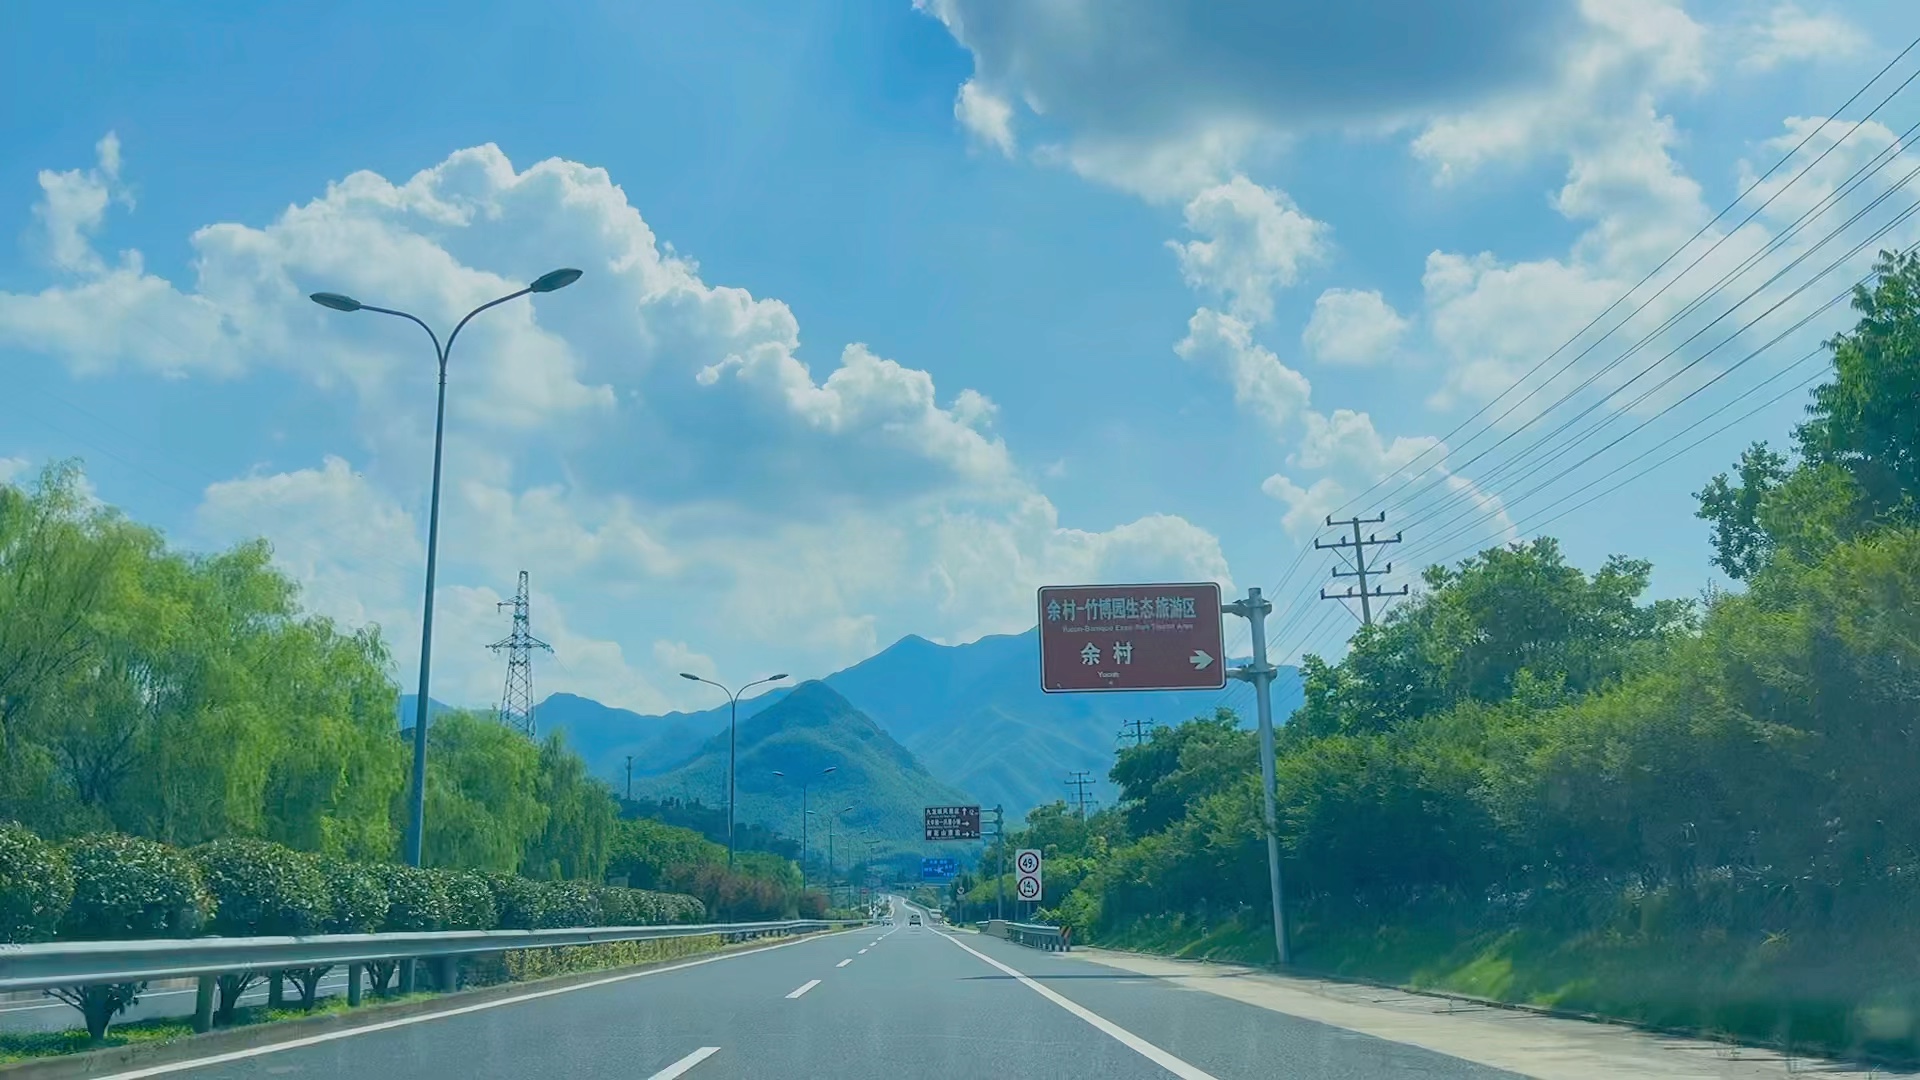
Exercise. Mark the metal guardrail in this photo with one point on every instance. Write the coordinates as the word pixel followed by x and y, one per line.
pixel 1047 938
pixel 47 965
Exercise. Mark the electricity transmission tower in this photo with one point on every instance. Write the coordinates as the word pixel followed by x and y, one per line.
pixel 1360 568
pixel 516 702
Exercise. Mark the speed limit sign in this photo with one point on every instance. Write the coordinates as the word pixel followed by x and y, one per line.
pixel 1027 885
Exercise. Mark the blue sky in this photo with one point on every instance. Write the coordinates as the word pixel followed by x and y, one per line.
pixel 1122 279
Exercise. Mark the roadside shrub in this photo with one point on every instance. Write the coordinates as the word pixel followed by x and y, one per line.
pixel 36 885
pixel 470 904
pixel 812 905
pixel 570 903
pixel 518 903
pixel 678 907
pixel 125 887
pixel 262 888
pixel 357 902
pixel 415 899
pixel 621 906
pixel 358 894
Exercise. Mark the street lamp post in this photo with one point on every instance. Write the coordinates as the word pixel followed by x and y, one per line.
pixel 833 820
pixel 804 814
pixel 733 730
pixel 545 283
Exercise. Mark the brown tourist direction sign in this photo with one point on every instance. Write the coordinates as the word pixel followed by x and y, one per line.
pixel 1131 637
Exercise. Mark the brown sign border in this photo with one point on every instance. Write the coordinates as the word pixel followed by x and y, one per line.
pixel 1040 639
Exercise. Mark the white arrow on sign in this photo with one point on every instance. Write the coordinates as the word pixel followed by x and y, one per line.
pixel 1199 660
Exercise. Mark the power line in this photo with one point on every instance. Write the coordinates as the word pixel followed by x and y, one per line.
pixel 1529 459
pixel 1547 459
pixel 1749 414
pixel 1444 443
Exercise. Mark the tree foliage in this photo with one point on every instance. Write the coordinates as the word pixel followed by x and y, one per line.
pixel 36 885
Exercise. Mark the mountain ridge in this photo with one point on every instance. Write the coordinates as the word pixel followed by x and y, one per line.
pixel 972 714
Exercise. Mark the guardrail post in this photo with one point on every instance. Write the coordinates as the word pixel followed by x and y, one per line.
pixel 276 990
pixel 446 974
pixel 406 975
pixel 203 1004
pixel 353 985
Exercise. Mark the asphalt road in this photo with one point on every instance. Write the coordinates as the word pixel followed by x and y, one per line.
pixel 46 1014
pixel 884 1002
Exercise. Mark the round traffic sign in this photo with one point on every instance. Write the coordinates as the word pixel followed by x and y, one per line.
pixel 1028 862
pixel 1029 888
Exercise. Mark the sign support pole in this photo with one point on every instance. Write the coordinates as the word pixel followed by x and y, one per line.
pixel 1254 609
pixel 1000 879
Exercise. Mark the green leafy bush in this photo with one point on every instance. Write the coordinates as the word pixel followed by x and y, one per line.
pixel 262 888
pixel 415 899
pixel 126 887
pixel 358 894
pixel 571 903
pixel 36 885
pixel 470 903
pixel 619 906
pixel 519 903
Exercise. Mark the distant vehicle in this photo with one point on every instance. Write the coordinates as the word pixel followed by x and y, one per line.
pixel 913 919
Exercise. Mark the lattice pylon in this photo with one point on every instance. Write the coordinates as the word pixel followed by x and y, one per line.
pixel 516 701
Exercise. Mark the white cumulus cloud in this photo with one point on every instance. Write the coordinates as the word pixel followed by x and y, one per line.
pixel 1353 328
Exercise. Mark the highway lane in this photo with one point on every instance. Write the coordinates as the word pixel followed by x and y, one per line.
pixel 883 1002
pixel 46 1014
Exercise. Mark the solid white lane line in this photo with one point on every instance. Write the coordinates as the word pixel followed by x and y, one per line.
pixel 844 963
pixel 685 1063
pixel 407 1021
pixel 804 987
pixel 1107 1027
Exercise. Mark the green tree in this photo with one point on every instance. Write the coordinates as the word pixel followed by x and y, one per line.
pixel 581 812
pixel 1863 420
pixel 483 794
pixel 1741 544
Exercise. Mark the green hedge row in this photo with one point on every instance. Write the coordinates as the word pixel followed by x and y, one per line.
pixel 112 887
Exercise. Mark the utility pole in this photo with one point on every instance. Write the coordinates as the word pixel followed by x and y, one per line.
pixel 1078 782
pixel 1360 569
pixel 1000 877
pixel 516 702
pixel 1257 671
pixel 629 777
pixel 1137 729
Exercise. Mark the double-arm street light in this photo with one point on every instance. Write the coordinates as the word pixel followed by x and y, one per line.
pixel 733 728
pixel 804 813
pixel 545 283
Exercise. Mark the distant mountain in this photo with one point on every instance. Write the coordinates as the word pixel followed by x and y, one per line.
pixel 811 728
pixel 605 735
pixel 973 715
pixel 408 706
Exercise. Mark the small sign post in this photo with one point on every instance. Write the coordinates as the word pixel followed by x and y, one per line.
pixel 1028 865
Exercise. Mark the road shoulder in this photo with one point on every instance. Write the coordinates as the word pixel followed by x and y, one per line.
pixel 1515 1040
